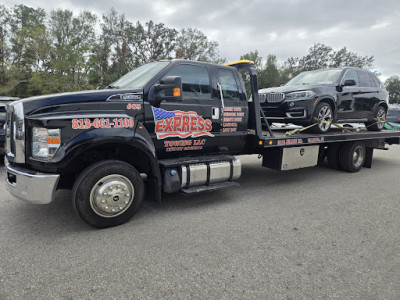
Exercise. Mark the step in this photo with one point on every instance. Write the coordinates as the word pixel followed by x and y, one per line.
pixel 211 187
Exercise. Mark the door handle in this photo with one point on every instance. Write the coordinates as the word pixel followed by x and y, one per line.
pixel 215 113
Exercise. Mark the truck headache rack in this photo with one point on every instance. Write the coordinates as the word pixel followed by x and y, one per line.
pixel 256 112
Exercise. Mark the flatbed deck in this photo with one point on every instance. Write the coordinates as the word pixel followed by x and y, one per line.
pixel 280 137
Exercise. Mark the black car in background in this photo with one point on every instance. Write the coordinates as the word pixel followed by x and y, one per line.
pixel 325 96
pixel 393 115
pixel 3 104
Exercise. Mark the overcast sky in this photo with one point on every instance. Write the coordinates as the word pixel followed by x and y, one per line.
pixel 282 27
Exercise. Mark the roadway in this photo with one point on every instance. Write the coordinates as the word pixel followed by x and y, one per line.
pixel 303 234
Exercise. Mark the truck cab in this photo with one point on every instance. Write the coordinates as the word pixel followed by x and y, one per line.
pixel 176 123
pixel 208 117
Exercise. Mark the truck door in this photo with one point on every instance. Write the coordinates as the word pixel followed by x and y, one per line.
pixel 189 127
pixel 234 109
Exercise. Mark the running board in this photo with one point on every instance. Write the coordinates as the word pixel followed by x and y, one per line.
pixel 211 187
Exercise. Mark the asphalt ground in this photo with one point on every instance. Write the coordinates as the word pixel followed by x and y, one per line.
pixel 314 233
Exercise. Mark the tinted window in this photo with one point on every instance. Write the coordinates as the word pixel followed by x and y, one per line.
pixel 365 79
pixel 316 77
pixel 228 84
pixel 350 75
pixel 375 81
pixel 195 80
pixel 140 76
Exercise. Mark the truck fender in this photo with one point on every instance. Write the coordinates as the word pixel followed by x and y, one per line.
pixel 136 142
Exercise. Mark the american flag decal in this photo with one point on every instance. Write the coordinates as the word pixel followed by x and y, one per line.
pixel 182 124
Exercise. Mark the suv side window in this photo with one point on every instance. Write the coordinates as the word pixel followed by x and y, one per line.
pixel 195 80
pixel 375 81
pixel 365 80
pixel 350 74
pixel 230 89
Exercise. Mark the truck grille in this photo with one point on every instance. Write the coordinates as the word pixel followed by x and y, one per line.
pixel 275 97
pixel 15 133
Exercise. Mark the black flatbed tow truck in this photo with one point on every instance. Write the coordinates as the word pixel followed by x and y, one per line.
pixel 166 127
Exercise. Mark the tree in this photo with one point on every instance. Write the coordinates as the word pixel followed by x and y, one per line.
pixel 268 72
pixel 153 41
pixel 27 46
pixel 4 37
pixel 321 56
pixel 73 38
pixel 343 58
pixel 271 74
pixel 194 45
pixel 392 85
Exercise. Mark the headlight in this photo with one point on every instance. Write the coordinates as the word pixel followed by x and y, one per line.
pixel 298 95
pixel 45 142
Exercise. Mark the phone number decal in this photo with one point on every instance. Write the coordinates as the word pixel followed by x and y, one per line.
pixel 102 123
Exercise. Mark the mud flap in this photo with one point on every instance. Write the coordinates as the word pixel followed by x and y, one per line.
pixel 154 189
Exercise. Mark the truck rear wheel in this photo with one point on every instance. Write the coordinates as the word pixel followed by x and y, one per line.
pixel 107 193
pixel 352 156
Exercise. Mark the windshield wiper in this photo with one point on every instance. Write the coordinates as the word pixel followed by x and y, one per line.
pixel 112 87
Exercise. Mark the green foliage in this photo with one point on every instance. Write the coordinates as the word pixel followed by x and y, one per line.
pixel 194 45
pixel 392 85
pixel 61 51
pixel 321 56
pixel 268 72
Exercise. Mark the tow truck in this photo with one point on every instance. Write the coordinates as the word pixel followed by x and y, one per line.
pixel 168 126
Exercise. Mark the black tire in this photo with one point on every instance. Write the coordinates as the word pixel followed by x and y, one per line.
pixel 323 112
pixel 332 155
pixel 107 193
pixel 377 123
pixel 352 156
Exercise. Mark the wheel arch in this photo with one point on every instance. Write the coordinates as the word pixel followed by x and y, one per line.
pixel 134 152
pixel 382 103
pixel 328 100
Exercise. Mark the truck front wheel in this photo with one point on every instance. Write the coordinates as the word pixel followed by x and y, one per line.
pixel 107 193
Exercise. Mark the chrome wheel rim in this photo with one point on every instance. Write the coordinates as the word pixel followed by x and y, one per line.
pixel 358 156
pixel 112 195
pixel 381 118
pixel 324 115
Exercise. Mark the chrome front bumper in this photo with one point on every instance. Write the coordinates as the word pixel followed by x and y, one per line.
pixel 30 186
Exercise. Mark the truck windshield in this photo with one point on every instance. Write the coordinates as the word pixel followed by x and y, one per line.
pixel 316 77
pixel 137 78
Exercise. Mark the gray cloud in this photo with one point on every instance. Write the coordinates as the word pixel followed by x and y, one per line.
pixel 282 27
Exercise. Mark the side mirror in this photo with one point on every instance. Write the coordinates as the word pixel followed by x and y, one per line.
pixel 349 82
pixel 172 86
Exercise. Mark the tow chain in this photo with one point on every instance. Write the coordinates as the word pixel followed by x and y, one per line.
pixel 344 129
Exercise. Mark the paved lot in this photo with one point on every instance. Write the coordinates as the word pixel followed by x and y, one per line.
pixel 311 233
